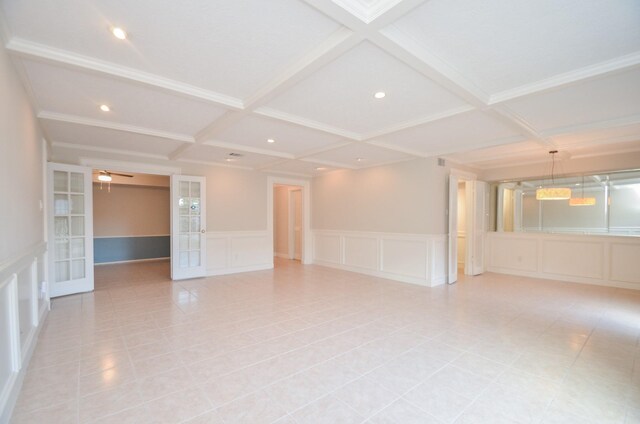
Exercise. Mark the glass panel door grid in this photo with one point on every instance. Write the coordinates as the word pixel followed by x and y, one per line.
pixel 190 227
pixel 69 219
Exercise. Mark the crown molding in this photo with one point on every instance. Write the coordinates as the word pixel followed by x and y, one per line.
pixel 287 173
pixel 399 149
pixel 247 149
pixel 41 52
pixel 566 79
pixel 55 144
pixel 417 122
pixel 72 119
pixel 293 119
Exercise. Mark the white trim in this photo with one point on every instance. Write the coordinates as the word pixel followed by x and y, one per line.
pixel 568 78
pixel 236 270
pixel 298 120
pixel 380 258
pixel 281 255
pixel 306 243
pixel 78 120
pixel 42 52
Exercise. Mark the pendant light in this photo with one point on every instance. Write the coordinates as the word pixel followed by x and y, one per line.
pixel 582 201
pixel 553 193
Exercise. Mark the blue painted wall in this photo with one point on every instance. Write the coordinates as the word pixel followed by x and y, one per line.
pixel 118 249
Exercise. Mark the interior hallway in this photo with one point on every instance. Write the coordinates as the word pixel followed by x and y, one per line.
pixel 308 344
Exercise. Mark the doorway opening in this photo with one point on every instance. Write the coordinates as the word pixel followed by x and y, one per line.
pixel 287 222
pixel 131 228
pixel 462 227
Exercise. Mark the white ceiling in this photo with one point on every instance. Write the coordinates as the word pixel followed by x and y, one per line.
pixel 486 84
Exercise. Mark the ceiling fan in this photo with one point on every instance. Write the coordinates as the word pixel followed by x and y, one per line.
pixel 105 176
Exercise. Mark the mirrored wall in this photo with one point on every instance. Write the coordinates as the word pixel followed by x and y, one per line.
pixel 606 203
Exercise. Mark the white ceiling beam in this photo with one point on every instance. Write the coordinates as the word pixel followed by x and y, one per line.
pixel 599 70
pixel 107 150
pixel 72 119
pixel 593 126
pixel 293 119
pixel 43 53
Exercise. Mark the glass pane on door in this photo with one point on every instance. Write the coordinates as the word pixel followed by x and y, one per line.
pixel 69 226
pixel 189 239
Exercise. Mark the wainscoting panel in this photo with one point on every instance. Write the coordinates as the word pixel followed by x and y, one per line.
pixel 229 252
pixel 411 258
pixel 592 259
pixel 327 248
pixel 408 258
pixel 361 252
pixel 519 254
pixel 24 304
pixel 573 258
pixel 625 262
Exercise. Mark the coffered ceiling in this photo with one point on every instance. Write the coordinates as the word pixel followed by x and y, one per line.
pixel 289 85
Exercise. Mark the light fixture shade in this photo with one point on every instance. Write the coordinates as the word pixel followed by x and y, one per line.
pixel 104 177
pixel 553 193
pixel 582 201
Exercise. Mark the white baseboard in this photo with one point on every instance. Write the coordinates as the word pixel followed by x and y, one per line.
pixel 374 273
pixel 235 270
pixel 281 255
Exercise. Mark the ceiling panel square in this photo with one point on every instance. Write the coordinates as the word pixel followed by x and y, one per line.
pixel 500 45
pixel 63 132
pixel 254 131
pixel 65 91
pixel 603 99
pixel 341 94
pixel 231 47
pixel 465 131
pixel 214 154
pixel 359 155
pixel 501 153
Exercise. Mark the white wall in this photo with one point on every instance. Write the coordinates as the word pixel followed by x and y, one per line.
pixel 408 197
pixel 22 235
pixel 130 211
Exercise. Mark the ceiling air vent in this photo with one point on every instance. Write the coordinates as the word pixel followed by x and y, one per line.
pixel 235 155
pixel 440 162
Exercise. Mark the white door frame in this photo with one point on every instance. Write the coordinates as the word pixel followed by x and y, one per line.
pixel 306 214
pixel 456 175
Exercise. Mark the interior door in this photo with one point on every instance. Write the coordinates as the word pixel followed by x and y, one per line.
pixel 452 257
pixel 70 227
pixel 479 217
pixel 188 227
pixel 296 214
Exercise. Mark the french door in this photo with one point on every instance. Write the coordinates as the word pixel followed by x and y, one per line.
pixel 70 228
pixel 188 227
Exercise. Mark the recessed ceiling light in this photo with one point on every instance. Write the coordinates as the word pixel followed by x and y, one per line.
pixel 105 108
pixel 230 159
pixel 321 168
pixel 119 33
pixel 270 140
pixel 359 159
pixel 380 95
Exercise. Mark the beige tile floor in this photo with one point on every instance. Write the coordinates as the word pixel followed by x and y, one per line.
pixel 316 345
